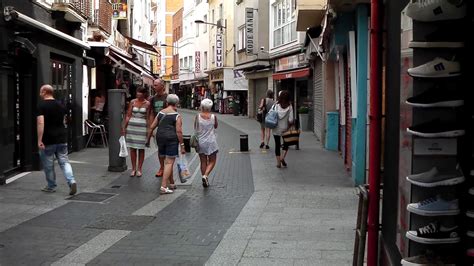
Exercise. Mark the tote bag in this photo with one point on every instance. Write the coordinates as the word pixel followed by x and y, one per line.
pixel 123 147
pixel 194 142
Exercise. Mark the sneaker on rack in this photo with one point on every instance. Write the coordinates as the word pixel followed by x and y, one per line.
pixel 437 129
pixel 470 252
pixel 434 178
pixel 433 233
pixel 470 214
pixel 436 68
pixel 428 260
pixel 470 233
pixel 436 10
pixel 436 97
pixel 471 191
pixel 435 206
pixel 442 37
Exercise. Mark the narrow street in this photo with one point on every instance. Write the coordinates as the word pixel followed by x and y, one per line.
pixel 252 214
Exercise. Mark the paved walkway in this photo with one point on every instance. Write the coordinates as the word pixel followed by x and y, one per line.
pixel 252 214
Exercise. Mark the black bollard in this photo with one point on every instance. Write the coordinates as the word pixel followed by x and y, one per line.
pixel 244 142
pixel 187 143
pixel 116 99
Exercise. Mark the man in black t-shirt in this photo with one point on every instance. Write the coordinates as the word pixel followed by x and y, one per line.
pixel 52 140
pixel 158 103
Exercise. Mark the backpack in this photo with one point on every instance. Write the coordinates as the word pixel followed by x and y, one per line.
pixel 271 119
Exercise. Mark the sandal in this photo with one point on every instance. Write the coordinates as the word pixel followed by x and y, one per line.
pixel 262 145
pixel 132 174
pixel 284 163
pixel 166 190
pixel 139 174
pixel 173 186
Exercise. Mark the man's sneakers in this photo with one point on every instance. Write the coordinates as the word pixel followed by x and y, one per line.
pixel 435 206
pixel 437 129
pixel 72 189
pixel 48 189
pixel 436 97
pixel 429 259
pixel 435 178
pixel 436 10
pixel 434 233
pixel 442 37
pixel 436 68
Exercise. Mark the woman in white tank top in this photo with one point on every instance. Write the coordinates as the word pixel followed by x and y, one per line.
pixel 205 126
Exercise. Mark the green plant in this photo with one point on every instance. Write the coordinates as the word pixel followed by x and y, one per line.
pixel 303 110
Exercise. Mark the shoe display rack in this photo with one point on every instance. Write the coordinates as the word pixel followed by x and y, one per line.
pixel 436 148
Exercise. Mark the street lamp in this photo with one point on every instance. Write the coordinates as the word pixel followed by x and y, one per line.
pixel 219 25
pixel 166 45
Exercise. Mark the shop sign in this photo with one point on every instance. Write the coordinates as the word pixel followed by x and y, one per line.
pixel 219 52
pixel 249 30
pixel 197 61
pixel 216 76
pixel 291 62
pixel 119 9
pixel 156 66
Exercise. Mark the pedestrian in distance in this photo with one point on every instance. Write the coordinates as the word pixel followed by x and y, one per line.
pixel 169 137
pixel 52 139
pixel 265 104
pixel 135 130
pixel 285 121
pixel 205 125
pixel 158 103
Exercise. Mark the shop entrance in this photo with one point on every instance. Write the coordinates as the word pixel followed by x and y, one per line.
pixel 10 137
pixel 62 82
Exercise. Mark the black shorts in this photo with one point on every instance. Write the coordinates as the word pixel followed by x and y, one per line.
pixel 168 149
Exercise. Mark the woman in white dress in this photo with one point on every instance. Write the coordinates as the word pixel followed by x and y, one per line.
pixel 205 125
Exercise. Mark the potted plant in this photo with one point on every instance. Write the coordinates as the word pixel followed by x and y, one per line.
pixel 303 117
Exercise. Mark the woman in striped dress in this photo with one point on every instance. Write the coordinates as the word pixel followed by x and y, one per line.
pixel 135 129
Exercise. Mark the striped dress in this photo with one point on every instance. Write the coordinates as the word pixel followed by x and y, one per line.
pixel 136 129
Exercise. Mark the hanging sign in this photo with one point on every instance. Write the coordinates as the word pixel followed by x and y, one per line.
pixel 119 9
pixel 197 61
pixel 249 30
pixel 219 52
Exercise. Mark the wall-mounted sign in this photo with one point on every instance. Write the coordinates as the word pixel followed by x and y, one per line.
pixel 119 9
pixel 197 61
pixel 249 30
pixel 291 62
pixel 219 51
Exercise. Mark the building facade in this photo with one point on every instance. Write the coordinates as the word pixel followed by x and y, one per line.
pixel 253 62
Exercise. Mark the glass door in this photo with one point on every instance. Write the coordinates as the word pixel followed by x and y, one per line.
pixel 62 82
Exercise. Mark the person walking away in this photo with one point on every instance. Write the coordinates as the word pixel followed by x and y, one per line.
pixel 158 103
pixel 135 130
pixel 52 139
pixel 265 105
pixel 285 120
pixel 205 126
pixel 169 137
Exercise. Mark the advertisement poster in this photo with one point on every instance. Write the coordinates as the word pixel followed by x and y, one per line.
pixel 119 9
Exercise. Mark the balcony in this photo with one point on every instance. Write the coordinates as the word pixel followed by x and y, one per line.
pixel 309 13
pixel 75 10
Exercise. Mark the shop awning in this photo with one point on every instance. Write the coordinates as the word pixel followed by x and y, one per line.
pixel 299 73
pixel 10 14
pixel 142 46
pixel 129 65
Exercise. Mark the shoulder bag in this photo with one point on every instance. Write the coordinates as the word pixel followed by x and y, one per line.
pixel 194 142
pixel 291 137
pixel 271 119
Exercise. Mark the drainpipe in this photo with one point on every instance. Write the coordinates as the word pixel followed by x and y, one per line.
pixel 374 130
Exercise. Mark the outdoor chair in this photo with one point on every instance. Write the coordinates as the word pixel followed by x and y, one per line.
pixel 95 129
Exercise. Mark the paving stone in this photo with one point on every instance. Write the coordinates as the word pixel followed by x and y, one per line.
pixel 265 262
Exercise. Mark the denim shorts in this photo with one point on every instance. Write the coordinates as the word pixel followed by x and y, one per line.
pixel 168 149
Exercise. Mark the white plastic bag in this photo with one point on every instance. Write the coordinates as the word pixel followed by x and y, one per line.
pixel 183 169
pixel 123 147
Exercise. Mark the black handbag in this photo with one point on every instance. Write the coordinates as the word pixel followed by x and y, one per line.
pixel 261 112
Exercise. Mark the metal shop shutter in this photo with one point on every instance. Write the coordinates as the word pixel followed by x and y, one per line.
pixel 318 100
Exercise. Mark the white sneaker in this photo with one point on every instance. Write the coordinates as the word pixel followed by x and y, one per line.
pixel 436 68
pixel 435 10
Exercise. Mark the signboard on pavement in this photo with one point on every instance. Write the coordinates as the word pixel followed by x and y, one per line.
pixel 249 30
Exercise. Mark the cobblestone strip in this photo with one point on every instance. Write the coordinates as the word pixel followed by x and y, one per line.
pixel 154 207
